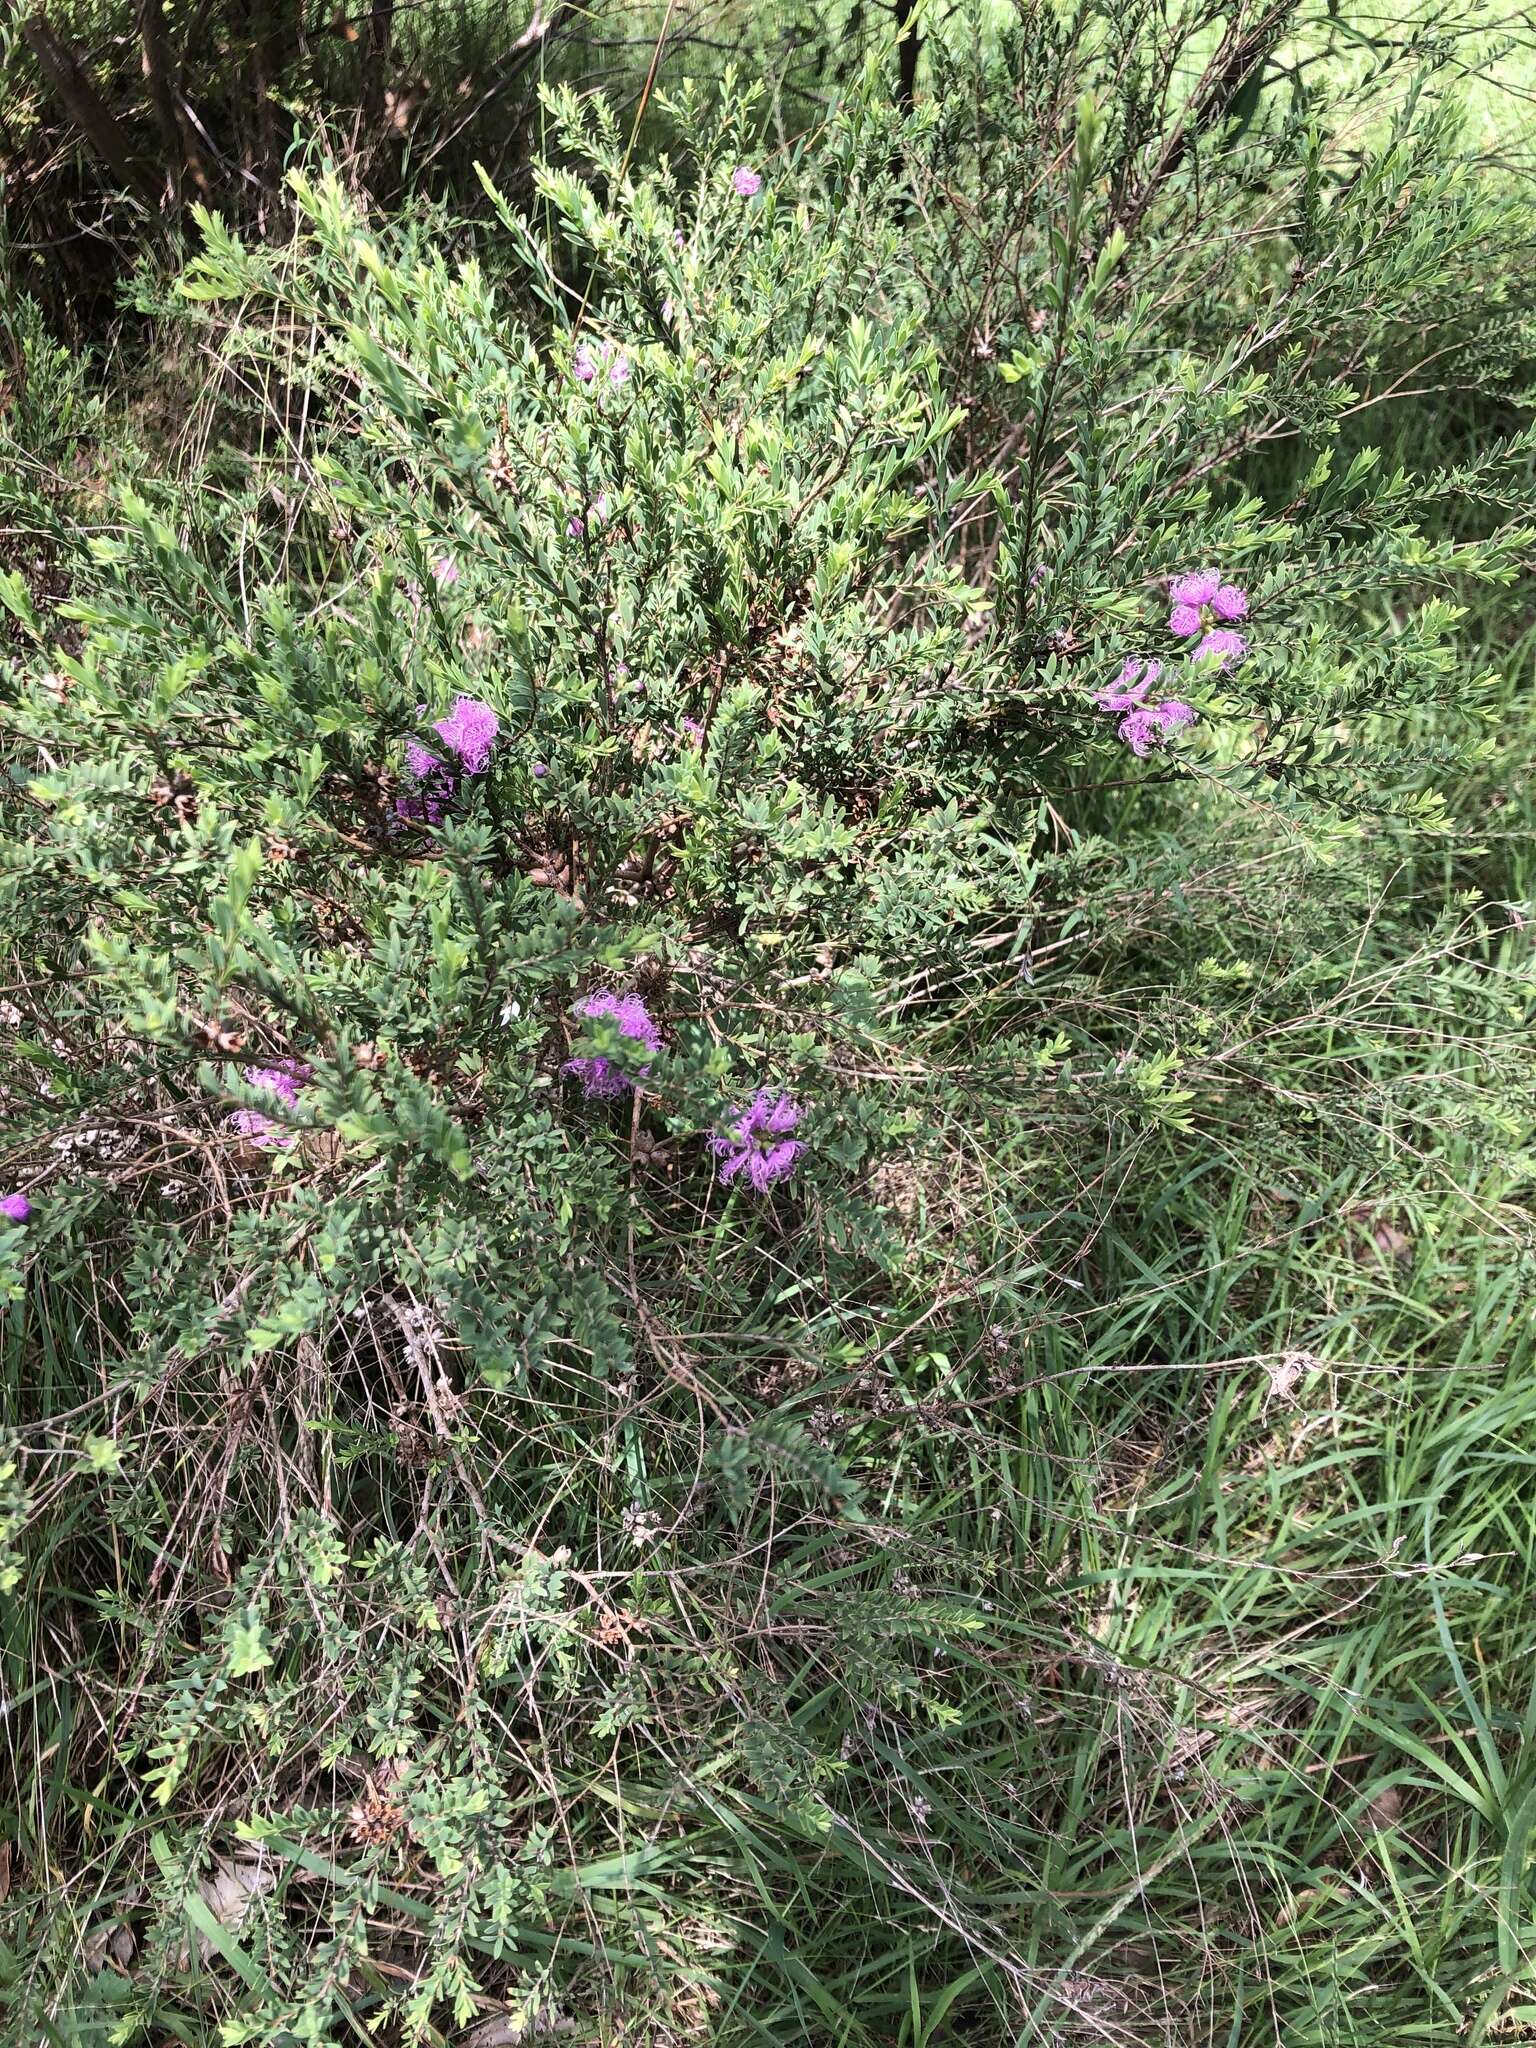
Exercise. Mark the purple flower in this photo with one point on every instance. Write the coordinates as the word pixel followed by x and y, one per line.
pixel 469 731
pixel 445 570
pixel 429 805
pixel 1140 731
pixel 597 512
pixel 1201 597
pixel 1148 727
pixel 694 731
pixel 599 1075
pixel 284 1078
pixel 758 1143
pixel 1196 589
pixel 745 182
pixel 540 769
pixel 1222 646
pixel 586 363
pixel 1144 725
pixel 260 1130
pixel 421 760
pixel 1133 683
pixel 15 1208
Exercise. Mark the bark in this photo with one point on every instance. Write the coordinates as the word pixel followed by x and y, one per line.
pixel 909 47
pixel 381 26
pixel 86 108
pixel 162 75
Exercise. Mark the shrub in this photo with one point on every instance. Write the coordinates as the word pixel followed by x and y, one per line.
pixel 624 973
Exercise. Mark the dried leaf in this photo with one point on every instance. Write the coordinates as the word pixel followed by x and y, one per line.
pixel 112 1938
pixel 228 1891
pixel 1287 1372
pixel 529 2022
pixel 1385 1810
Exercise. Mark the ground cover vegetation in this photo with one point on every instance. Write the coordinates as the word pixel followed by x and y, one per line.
pixel 765 1055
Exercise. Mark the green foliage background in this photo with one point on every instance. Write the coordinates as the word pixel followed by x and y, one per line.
pixel 1058 1569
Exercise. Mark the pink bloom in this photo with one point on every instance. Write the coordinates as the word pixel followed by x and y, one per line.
pixel 283 1079
pixel 445 570
pixel 694 730
pixel 597 512
pixel 1135 679
pixel 429 804
pixel 586 363
pixel 540 769
pixel 1140 731
pixel 1196 589
pixel 15 1208
pixel 1199 598
pixel 260 1130
pixel 600 1076
pixel 469 731
pixel 746 182
pixel 1147 728
pixel 758 1143
pixel 1221 645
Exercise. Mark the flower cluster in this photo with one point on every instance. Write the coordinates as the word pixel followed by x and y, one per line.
pixel 468 732
pixel 1142 725
pixel 745 182
pixel 15 1208
pixel 1203 604
pixel 758 1143
pixel 284 1078
pixel 589 364
pixel 600 1076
